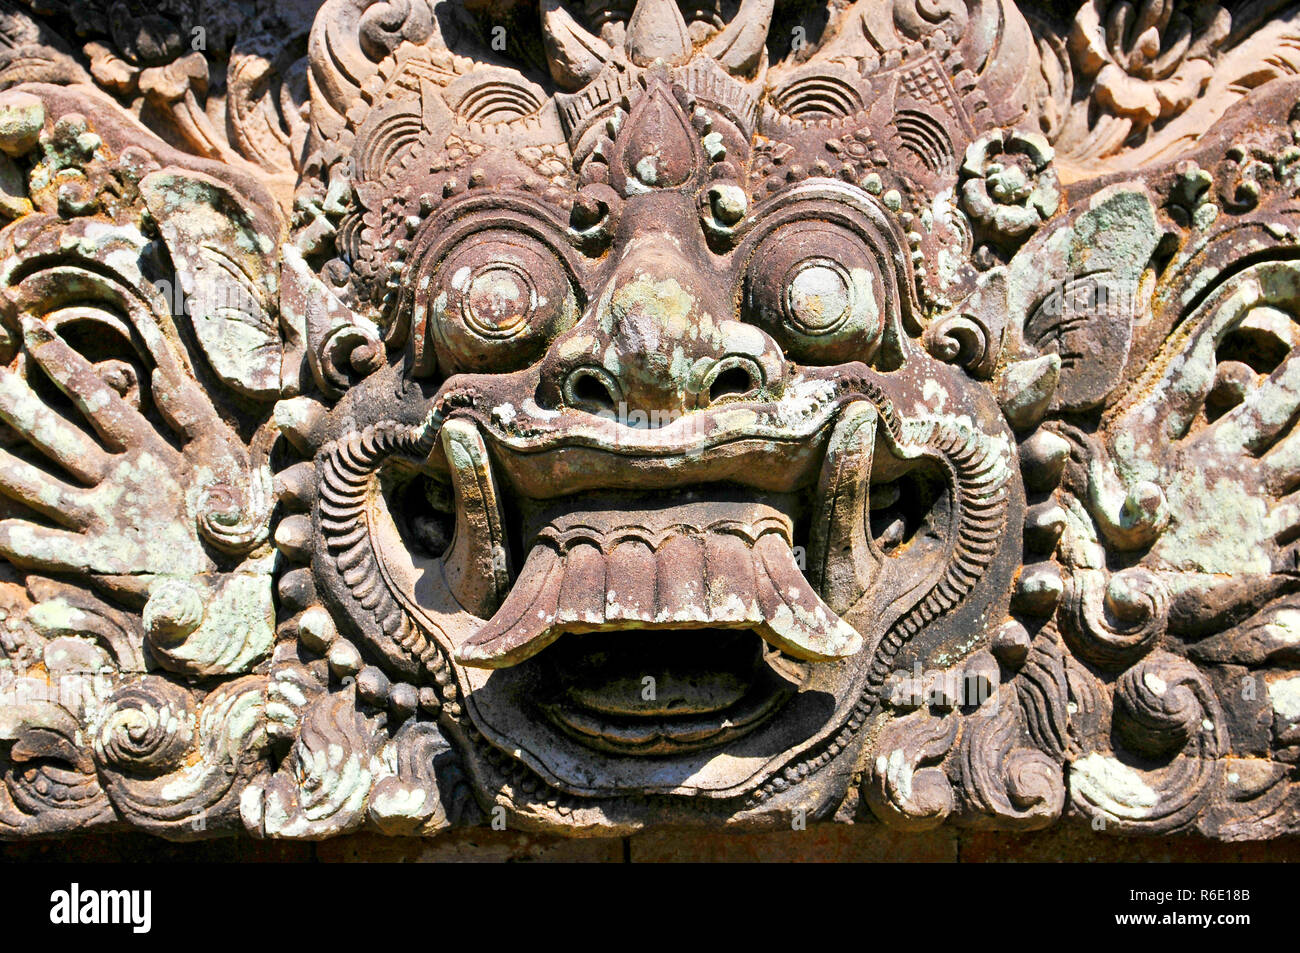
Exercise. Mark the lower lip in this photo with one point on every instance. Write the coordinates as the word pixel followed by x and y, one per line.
pixel 655 693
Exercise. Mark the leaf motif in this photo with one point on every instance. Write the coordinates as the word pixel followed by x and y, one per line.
pixel 1090 304
pixel 224 261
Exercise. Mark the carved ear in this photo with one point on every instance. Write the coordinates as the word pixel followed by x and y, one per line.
pixel 223 252
pixel 1091 292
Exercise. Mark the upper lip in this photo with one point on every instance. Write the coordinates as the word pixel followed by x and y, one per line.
pixel 517 424
pixel 545 453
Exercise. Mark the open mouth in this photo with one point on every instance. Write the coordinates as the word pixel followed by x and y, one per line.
pixel 675 630
pixel 688 615
pixel 678 625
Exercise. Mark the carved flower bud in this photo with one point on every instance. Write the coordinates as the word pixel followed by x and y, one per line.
pixel 373 686
pixel 174 610
pixel 316 629
pixel 146 727
pixel 1009 185
pixel 296 418
pixel 1044 524
pixel 1011 644
pixel 403 700
pixel 1144 508
pixel 1042 460
pixel 980 679
pixel 344 659
pixel 22 117
pixel 728 203
pixel 586 213
pixel 293 537
pixel 1025 389
pixel 428 699
pixel 1038 589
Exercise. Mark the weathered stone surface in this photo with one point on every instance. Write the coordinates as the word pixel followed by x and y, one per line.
pixel 492 423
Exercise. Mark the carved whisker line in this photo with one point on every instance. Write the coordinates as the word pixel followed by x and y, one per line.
pixel 981 483
pixel 347 485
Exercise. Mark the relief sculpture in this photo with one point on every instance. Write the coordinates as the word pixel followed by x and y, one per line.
pixel 587 417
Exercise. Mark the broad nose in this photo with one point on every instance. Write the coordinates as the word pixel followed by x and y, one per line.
pixel 660 342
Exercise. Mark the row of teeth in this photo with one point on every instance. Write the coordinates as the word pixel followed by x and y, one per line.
pixel 692 581
pixel 738 574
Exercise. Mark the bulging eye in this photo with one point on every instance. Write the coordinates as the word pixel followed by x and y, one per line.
pixel 495 301
pixel 816 288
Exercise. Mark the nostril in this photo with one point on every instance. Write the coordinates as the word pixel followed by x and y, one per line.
pixel 733 378
pixel 591 390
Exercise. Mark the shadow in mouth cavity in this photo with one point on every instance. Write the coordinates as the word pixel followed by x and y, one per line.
pixel 663 692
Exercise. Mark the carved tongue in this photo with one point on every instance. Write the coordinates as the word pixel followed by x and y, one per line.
pixel 708 564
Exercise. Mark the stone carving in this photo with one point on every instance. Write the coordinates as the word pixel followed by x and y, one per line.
pixel 583 417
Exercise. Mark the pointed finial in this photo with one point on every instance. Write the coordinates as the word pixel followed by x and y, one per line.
pixel 574 55
pixel 657 31
pixel 739 48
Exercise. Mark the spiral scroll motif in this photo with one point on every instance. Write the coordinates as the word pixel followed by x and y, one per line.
pixel 147 727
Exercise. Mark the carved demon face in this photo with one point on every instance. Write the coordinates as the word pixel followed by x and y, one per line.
pixel 663 487
pixel 598 415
